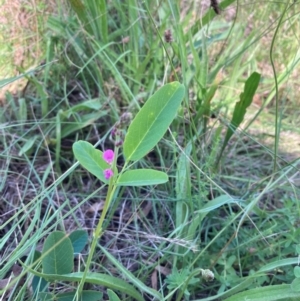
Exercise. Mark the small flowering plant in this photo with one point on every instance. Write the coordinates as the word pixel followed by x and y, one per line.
pixel 57 258
pixel 144 132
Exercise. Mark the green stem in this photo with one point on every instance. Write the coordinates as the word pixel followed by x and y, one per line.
pixel 99 230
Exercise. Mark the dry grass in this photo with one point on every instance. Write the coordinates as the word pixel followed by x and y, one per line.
pixel 21 39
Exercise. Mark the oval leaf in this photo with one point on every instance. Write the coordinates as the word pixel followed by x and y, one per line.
pixel 91 159
pixel 297 271
pixel 152 121
pixel 295 285
pixel 112 295
pixel 57 255
pixel 79 239
pixel 142 177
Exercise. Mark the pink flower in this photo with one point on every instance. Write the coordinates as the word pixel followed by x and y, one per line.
pixel 109 156
pixel 108 173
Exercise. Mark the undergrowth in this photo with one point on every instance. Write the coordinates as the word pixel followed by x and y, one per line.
pixel 226 222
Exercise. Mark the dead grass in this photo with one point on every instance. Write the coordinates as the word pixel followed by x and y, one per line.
pixel 21 39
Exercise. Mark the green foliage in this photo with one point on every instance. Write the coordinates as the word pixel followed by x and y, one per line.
pixel 295 285
pixel 57 262
pixel 39 285
pixel 91 159
pixel 181 279
pixel 143 134
pixel 79 239
pixel 57 254
pixel 112 296
pixel 86 296
pixel 137 282
pixel 152 121
pixel 239 219
pixel 94 278
pixel 142 177
pixel 268 293
pixel 240 109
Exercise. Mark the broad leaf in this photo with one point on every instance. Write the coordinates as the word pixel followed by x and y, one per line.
pixel 152 121
pixel 57 254
pixel 91 159
pixel 142 177
pixel 79 239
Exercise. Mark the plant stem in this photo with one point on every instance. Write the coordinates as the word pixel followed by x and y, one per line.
pixel 98 231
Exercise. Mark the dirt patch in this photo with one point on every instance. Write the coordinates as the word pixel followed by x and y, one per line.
pixel 21 42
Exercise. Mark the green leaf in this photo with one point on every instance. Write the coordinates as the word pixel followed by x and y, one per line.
pixel 208 17
pixel 85 296
pixel 279 263
pixel 6 81
pixel 38 284
pixel 91 104
pixel 216 203
pixel 28 145
pixel 112 296
pixel 36 259
pixel 183 192
pixel 81 122
pixel 295 285
pixel 79 239
pixel 91 159
pixel 79 8
pixel 46 297
pixel 94 278
pixel 152 121
pixel 297 271
pixel 246 98
pixel 267 293
pixel 240 108
pixel 183 175
pixel 137 282
pixel 142 177
pixel 57 254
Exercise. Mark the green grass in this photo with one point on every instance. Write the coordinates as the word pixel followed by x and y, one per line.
pixel 239 219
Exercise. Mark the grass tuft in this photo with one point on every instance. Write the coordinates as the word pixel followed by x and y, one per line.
pixel 213 230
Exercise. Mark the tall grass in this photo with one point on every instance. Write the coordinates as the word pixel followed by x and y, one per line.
pixel 238 219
